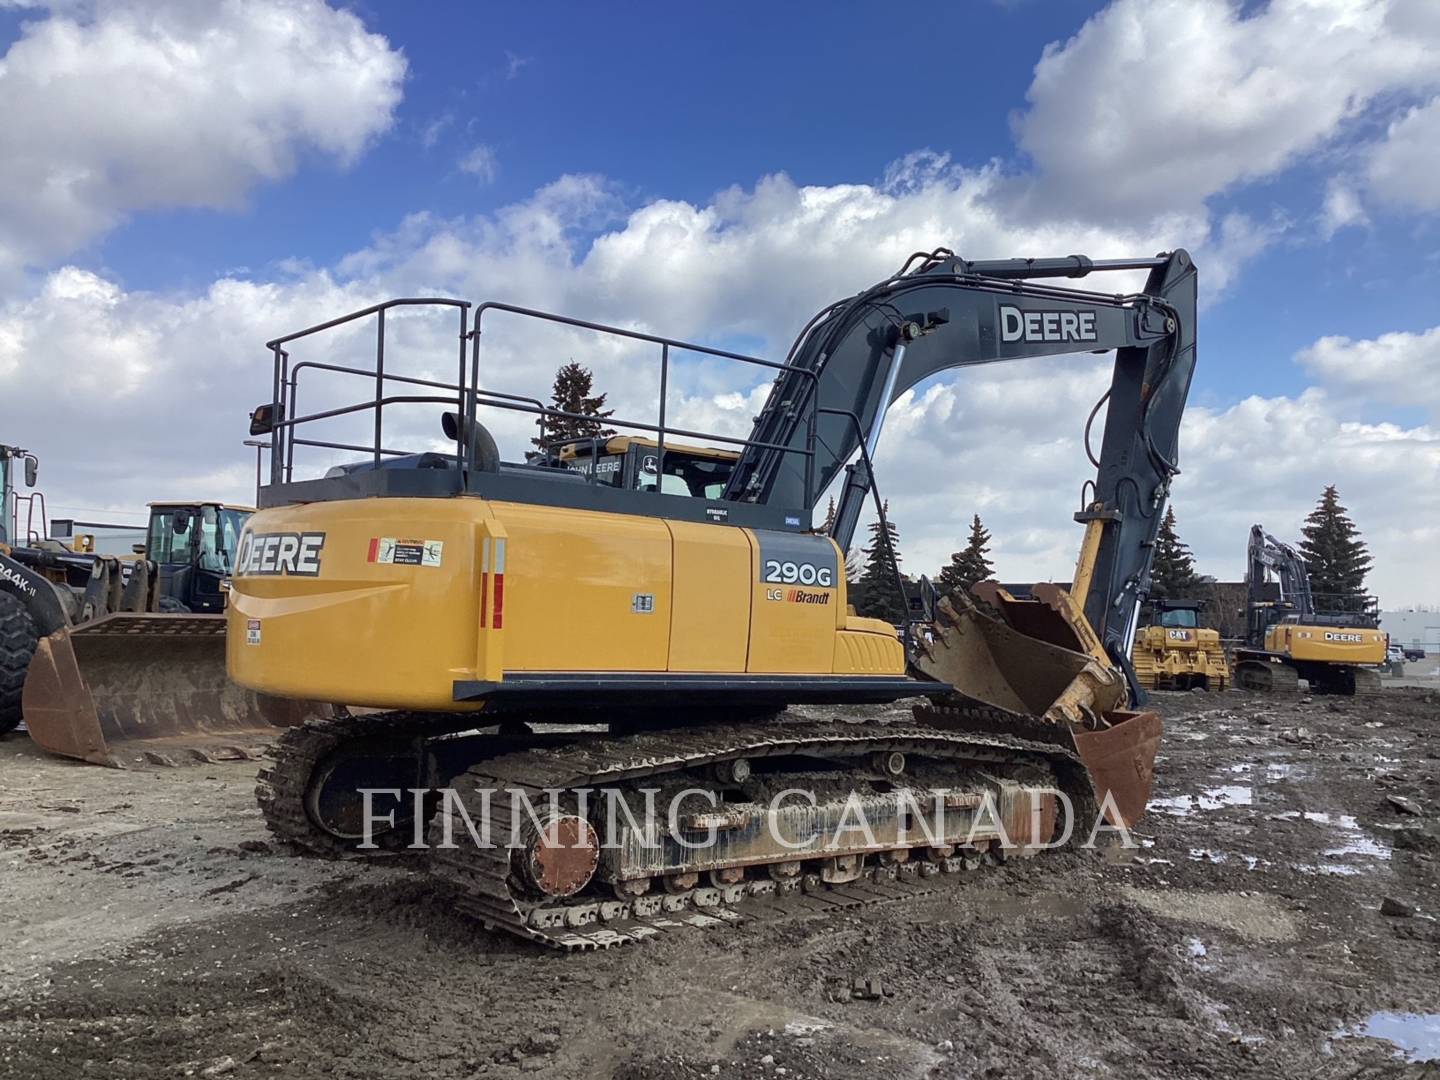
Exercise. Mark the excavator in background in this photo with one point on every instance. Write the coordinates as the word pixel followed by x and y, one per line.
pixel 1174 652
pixel 1287 639
pixel 533 627
pixel 121 660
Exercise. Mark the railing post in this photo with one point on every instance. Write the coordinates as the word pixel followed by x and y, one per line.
pixel 379 379
pixel 660 435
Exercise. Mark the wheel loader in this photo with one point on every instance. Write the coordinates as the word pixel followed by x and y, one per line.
pixel 625 655
pixel 121 661
pixel 1174 652
pixel 1287 637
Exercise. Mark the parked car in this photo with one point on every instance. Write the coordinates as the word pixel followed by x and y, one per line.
pixel 1394 659
pixel 1413 652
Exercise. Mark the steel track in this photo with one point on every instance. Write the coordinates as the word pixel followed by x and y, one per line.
pixel 481 880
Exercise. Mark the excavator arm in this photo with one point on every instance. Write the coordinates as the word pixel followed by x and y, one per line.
pixel 1266 553
pixel 858 355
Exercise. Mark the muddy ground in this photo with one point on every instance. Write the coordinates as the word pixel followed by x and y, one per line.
pixel 147 929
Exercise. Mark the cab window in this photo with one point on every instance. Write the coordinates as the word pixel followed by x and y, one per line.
pixel 170 536
pixel 1183 618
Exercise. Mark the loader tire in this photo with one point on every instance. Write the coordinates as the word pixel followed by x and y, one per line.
pixel 17 645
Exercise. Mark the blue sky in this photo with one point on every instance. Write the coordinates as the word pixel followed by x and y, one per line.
pixel 324 153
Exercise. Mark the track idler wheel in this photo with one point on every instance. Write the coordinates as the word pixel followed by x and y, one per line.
pixel 558 856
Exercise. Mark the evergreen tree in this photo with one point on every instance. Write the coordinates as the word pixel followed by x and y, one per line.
pixel 1334 555
pixel 829 517
pixel 876 593
pixel 969 566
pixel 1172 572
pixel 572 393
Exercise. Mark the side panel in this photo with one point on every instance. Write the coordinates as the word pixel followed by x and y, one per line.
pixel 585 591
pixel 365 602
pixel 797 603
pixel 1336 644
pixel 710 624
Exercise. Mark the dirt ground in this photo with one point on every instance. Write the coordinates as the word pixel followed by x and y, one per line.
pixel 147 929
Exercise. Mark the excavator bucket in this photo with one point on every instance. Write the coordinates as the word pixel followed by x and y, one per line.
pixel 1057 693
pixel 129 689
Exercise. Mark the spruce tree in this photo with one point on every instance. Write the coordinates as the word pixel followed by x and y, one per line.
pixel 572 393
pixel 829 517
pixel 969 566
pixel 876 593
pixel 1172 572
pixel 1335 556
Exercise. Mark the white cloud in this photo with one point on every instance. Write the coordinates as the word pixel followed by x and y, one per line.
pixel 481 163
pixel 117 106
pixel 751 265
pixel 1159 104
pixel 1003 441
pixel 1342 208
pixel 1393 369
pixel 1404 168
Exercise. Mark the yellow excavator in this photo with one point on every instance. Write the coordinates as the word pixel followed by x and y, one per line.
pixel 518 629
pixel 1289 638
pixel 1174 652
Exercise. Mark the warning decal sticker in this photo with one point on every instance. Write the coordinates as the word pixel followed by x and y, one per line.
pixel 401 552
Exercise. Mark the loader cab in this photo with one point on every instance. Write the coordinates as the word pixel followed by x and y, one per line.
pixel 14 461
pixel 193 547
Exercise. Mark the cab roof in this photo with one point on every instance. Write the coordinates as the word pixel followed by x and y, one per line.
pixel 618 444
pixel 161 505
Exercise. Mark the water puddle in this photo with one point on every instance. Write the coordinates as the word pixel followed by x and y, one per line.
pixel 1350 842
pixel 1219 857
pixel 1215 798
pixel 1416 1036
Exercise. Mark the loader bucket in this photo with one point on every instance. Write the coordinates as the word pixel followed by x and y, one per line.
pixel 129 689
pixel 1053 693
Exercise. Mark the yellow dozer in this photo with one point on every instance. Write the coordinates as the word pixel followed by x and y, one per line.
pixel 1174 652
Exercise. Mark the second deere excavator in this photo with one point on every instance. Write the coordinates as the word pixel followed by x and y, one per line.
pixel 524 630
pixel 1287 638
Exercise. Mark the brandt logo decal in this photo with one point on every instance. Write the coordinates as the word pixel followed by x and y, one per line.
pixel 1045 326
pixel 274 554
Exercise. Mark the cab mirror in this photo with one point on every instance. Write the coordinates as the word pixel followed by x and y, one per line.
pixel 32 469
pixel 262 420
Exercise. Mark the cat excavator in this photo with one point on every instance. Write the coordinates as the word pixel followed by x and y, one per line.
pixel 616 687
